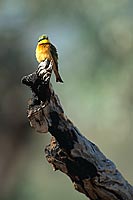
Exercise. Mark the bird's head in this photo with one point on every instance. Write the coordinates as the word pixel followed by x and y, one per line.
pixel 43 39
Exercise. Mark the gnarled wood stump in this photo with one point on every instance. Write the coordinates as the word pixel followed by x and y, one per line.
pixel 69 151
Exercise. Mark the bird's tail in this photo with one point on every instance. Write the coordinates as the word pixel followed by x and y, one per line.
pixel 55 69
pixel 58 78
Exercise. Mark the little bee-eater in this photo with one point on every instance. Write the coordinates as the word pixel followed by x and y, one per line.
pixel 45 50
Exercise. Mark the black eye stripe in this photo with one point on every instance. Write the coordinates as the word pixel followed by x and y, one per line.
pixel 40 39
pixel 43 39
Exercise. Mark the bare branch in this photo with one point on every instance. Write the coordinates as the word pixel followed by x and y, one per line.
pixel 69 151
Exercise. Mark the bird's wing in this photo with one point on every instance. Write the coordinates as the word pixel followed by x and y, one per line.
pixel 54 54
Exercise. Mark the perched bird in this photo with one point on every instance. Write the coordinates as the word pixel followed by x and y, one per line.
pixel 45 50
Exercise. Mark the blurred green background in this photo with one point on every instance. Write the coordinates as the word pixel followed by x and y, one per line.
pixel 95 45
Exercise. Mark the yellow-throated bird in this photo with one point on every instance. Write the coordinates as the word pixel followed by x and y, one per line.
pixel 45 50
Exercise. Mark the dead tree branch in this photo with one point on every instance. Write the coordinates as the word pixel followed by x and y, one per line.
pixel 69 151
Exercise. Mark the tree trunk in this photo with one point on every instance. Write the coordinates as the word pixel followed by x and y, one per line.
pixel 69 151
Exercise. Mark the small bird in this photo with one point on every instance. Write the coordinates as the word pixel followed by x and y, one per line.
pixel 46 50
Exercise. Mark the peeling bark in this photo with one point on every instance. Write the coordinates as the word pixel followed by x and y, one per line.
pixel 69 151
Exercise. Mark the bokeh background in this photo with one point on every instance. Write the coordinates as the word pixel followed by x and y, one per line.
pixel 95 45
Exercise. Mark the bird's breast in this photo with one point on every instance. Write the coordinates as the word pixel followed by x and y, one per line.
pixel 43 52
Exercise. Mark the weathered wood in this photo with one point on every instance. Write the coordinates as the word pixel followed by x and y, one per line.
pixel 69 151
